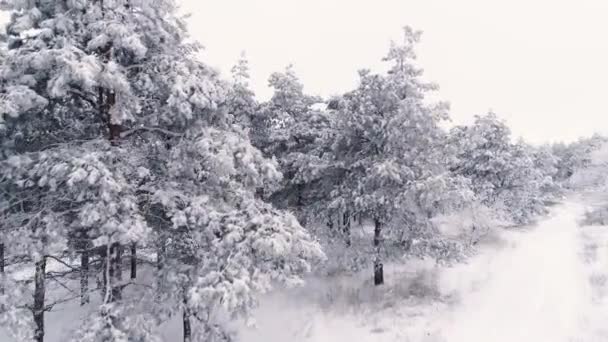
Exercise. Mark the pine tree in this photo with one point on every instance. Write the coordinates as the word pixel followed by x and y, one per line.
pixel 503 174
pixel 387 145
pixel 113 133
pixel 296 134
pixel 241 100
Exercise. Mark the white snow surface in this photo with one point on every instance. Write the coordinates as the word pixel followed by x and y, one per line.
pixel 531 284
pixel 545 283
pixel 537 287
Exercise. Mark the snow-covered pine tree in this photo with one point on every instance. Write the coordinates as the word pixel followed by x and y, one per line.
pixel 388 145
pixel 241 99
pixel 503 174
pixel 297 134
pixel 58 100
pixel 546 162
pixel 109 123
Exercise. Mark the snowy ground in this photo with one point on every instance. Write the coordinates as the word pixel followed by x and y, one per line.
pixel 546 283
pixel 539 284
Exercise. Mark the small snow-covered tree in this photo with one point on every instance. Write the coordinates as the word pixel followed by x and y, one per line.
pixel 547 163
pixel 503 174
pixel 241 99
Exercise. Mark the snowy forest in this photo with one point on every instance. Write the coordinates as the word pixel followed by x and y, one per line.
pixel 145 196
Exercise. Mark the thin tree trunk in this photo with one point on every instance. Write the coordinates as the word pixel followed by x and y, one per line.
pixel 39 292
pixel 346 228
pixel 1 268
pixel 114 129
pixel 160 264
pixel 103 255
pixel 84 277
pixel 118 261
pixel 133 260
pixel 378 267
pixel 186 322
pixel 116 271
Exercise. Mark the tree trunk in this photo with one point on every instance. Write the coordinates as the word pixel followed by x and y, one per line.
pixel 103 255
pixel 160 264
pixel 118 261
pixel 39 291
pixel 186 322
pixel 330 225
pixel 133 261
pixel 113 128
pixel 84 277
pixel 116 271
pixel 1 268
pixel 378 267
pixel 346 228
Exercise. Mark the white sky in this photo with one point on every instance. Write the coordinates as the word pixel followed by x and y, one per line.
pixel 540 64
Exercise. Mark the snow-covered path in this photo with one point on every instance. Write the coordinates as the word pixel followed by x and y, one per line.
pixel 531 285
pixel 538 287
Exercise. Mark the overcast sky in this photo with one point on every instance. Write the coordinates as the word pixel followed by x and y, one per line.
pixel 540 64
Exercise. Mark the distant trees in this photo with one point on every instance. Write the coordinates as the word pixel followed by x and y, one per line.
pixel 504 175
pixel 576 156
pixel 582 168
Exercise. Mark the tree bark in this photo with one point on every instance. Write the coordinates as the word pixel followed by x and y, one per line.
pixel 116 271
pixel 103 255
pixel 133 260
pixel 84 277
pixel 39 292
pixel 330 223
pixel 1 268
pixel 186 322
pixel 346 228
pixel 378 267
pixel 160 264
pixel 114 129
